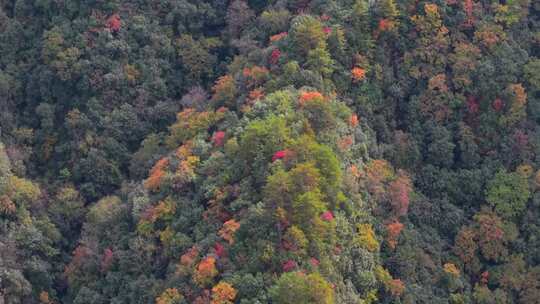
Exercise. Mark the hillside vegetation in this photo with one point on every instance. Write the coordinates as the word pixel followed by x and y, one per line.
pixel 282 151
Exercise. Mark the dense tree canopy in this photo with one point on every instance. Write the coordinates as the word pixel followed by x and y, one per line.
pixel 287 151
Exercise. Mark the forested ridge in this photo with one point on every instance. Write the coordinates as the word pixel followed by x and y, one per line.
pixel 281 151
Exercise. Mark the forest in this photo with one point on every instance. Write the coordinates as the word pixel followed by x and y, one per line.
pixel 269 151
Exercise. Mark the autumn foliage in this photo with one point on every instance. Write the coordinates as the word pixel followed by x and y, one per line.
pixel 304 152
pixel 310 96
pixel 156 175
pixel 255 76
pixel 206 271
pixel 224 89
pixel 44 298
pixel 7 206
pixel 366 237
pixel 491 236
pixel 396 287
pixel 289 265
pixel 190 122
pixel 378 172
pixel 278 37
pixel 327 216
pixel 472 104
pixel 228 230
pixel 256 94
pixel 468 7
pixel 451 268
pixel 353 121
pixel 114 23
pixel 169 296
pixel 386 25
pixel 497 104
pixel 223 293
pixel 107 259
pixel 80 256
pixel 218 138
pixel 393 230
pixel 465 245
pixel 188 258
pixel 399 191
pixel 345 143
pixel 281 154
pixel 274 56
pixel 358 74
pixel 219 249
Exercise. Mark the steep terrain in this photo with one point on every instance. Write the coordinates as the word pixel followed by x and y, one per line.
pixel 288 151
